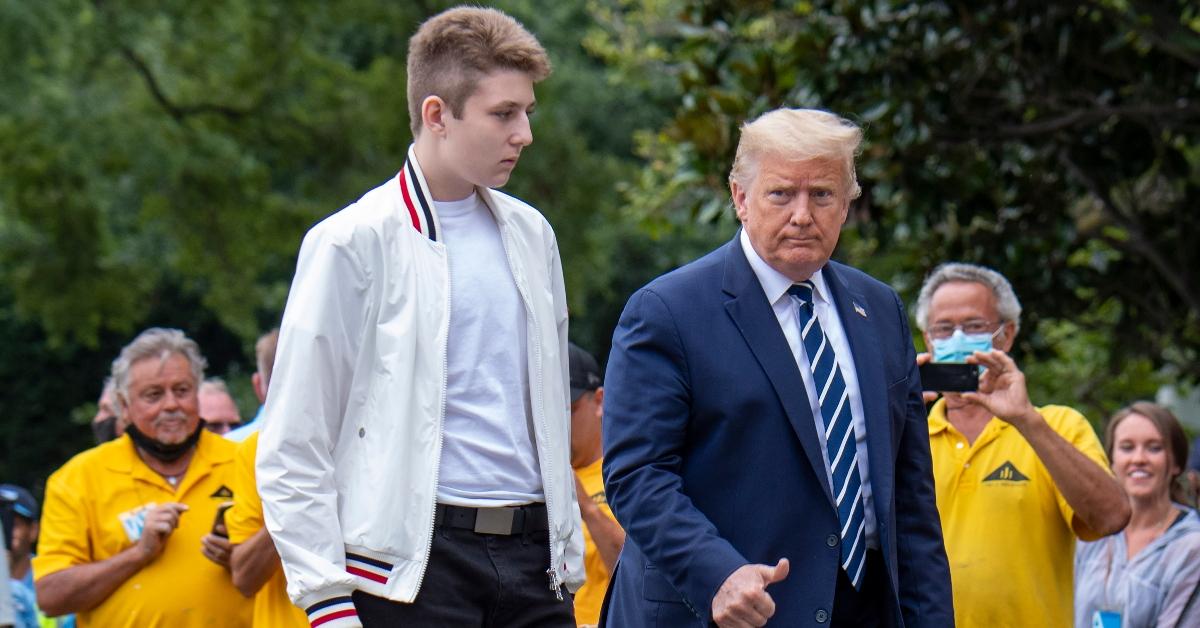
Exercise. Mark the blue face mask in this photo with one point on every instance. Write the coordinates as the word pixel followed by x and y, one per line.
pixel 958 346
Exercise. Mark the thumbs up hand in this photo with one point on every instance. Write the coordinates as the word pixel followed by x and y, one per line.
pixel 743 601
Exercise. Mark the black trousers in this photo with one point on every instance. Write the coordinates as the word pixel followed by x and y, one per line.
pixel 869 607
pixel 483 580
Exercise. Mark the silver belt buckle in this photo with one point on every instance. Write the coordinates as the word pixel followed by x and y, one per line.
pixel 494 520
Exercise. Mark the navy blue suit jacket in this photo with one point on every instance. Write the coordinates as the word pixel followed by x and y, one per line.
pixel 711 457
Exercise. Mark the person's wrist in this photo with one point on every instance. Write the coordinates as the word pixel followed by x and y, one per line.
pixel 142 555
pixel 1026 418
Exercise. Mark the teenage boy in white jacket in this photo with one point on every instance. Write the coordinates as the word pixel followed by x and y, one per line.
pixel 415 458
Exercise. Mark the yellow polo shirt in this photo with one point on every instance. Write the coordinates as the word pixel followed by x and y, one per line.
pixel 1009 533
pixel 590 596
pixel 95 506
pixel 272 608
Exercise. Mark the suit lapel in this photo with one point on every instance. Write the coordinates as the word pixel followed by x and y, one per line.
pixel 754 318
pixel 861 327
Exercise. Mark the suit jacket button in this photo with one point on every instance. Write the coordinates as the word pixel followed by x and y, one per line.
pixel 831 540
pixel 821 616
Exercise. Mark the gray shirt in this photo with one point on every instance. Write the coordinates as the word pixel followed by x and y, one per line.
pixel 1157 588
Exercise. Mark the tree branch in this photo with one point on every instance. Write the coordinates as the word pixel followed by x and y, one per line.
pixel 176 111
pixel 1137 243
pixel 1184 109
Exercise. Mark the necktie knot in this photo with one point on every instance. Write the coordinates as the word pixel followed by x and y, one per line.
pixel 804 292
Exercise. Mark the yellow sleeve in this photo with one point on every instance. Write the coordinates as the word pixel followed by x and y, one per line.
pixel 63 541
pixel 1075 429
pixel 245 518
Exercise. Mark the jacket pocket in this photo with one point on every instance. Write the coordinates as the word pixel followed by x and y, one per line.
pixel 655 587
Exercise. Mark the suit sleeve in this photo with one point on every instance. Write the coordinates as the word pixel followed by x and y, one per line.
pixel 646 418
pixel 310 387
pixel 924 574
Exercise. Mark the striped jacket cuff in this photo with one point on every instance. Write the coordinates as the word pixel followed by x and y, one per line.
pixel 336 612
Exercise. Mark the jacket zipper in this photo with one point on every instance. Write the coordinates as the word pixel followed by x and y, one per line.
pixel 555 578
pixel 440 424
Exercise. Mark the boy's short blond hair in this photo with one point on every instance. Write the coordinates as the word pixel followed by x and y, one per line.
pixel 454 49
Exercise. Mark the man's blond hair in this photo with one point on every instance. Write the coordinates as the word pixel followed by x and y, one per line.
pixel 798 135
pixel 454 49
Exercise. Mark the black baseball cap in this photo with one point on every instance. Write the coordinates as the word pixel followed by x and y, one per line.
pixel 585 372
pixel 22 500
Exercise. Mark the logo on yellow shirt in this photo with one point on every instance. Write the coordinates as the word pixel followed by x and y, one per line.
pixel 222 493
pixel 1006 473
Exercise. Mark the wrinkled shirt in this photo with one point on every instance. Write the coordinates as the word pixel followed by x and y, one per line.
pixel 1156 588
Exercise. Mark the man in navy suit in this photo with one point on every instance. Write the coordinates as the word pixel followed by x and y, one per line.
pixel 765 441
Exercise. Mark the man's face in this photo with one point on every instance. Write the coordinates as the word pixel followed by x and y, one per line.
pixel 162 400
pixel 957 303
pixel 793 212
pixel 585 422
pixel 482 147
pixel 219 411
pixel 104 408
pixel 24 535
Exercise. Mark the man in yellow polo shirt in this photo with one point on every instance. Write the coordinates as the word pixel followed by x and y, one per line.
pixel 127 526
pixel 257 572
pixel 602 535
pixel 1016 485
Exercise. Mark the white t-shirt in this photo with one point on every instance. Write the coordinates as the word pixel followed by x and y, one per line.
pixel 488 453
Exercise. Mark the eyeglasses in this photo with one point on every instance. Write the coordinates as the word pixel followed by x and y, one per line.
pixel 942 331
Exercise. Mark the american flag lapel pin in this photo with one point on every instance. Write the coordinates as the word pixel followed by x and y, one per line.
pixel 861 312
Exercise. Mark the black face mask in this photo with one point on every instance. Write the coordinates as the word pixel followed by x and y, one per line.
pixel 164 453
pixel 105 429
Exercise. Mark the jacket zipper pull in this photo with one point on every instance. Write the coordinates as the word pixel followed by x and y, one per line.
pixel 555 583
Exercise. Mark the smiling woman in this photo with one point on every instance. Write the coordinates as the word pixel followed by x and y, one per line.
pixel 1148 574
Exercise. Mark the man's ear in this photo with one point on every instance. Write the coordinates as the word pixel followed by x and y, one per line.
pixel 260 388
pixel 738 193
pixel 1007 338
pixel 433 112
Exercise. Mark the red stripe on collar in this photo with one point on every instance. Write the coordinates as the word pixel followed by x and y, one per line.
pixel 408 202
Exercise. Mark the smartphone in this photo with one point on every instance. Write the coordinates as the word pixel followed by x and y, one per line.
pixel 218 526
pixel 949 377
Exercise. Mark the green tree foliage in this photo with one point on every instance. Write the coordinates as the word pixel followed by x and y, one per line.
pixel 1056 142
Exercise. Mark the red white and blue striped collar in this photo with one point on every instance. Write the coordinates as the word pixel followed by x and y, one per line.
pixel 415 193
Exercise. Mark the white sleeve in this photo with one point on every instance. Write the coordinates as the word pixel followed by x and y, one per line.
pixel 319 342
pixel 7 615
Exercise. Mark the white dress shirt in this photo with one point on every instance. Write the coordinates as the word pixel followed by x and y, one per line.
pixel 775 285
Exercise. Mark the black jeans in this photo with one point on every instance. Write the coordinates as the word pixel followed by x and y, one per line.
pixel 482 580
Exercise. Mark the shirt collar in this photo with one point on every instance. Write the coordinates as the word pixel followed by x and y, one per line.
pixel 937 417
pixel 773 282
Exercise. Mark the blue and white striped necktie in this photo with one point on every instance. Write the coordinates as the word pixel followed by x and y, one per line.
pixel 834 401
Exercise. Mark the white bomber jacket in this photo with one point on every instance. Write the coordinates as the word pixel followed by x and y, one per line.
pixel 352 435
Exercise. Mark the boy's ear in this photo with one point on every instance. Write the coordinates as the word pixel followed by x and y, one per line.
pixel 433 112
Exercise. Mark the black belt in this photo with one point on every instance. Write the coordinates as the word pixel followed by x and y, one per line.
pixel 504 520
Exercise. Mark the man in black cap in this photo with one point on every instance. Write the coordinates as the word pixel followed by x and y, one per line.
pixel 602 535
